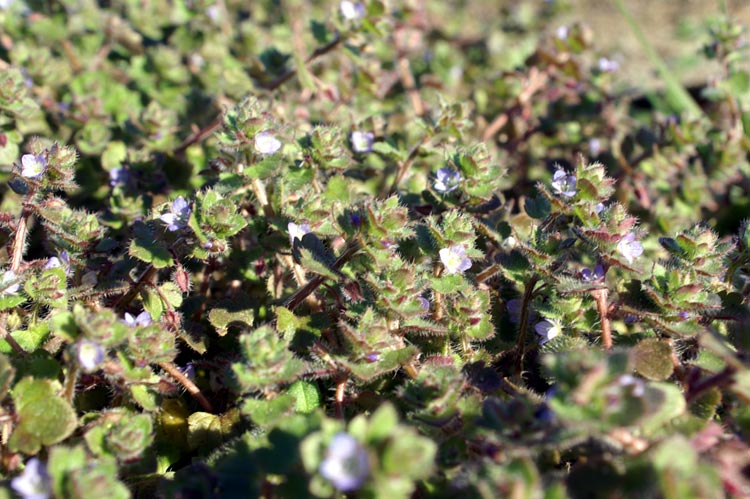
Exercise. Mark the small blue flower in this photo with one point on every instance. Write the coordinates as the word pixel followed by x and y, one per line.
pixel 142 320
pixel 33 166
pixel 424 303
pixel 454 259
pixel 564 184
pixel 447 180
pixel 90 355
pixel 372 357
pixel 547 330
pixel 188 371
pixel 178 215
pixel 362 141
pixel 629 247
pixel 347 463
pixel 63 262
pixel 34 482
pixel 597 274
pixel 598 208
pixel 118 176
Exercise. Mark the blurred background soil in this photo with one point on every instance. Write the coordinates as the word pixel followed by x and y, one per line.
pixel 674 27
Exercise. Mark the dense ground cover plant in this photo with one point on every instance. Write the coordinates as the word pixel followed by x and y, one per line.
pixel 377 249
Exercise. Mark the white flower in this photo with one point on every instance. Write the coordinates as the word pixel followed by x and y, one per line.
pixel 143 319
pixel 90 355
pixel 629 247
pixel 266 143
pixel 564 184
pixel 454 259
pixel 562 32
pixel 547 330
pixel 9 283
pixel 352 11
pixel 32 166
pixel 362 141
pixel 347 463
pixel 34 482
pixel 297 231
pixel 178 215
pixel 447 180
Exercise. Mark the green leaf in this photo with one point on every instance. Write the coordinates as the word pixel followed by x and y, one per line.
pixel 236 311
pixel 307 396
pixel 652 359
pixel 269 412
pixel 43 417
pixel 152 303
pixel 114 154
pixel 204 430
pixel 538 207
pixel 146 247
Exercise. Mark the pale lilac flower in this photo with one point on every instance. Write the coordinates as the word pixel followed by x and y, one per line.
pixel 362 141
pixel 607 65
pixel 33 166
pixel 547 330
pixel 424 303
pixel 118 176
pixel 347 463
pixel 588 275
pixel 266 143
pixel 599 208
pixel 9 283
pixel 90 355
pixel 564 184
pixel 297 231
pixel 595 147
pixel 629 247
pixel 143 319
pixel 447 180
pixel 352 11
pixel 562 32
pixel 34 482
pixel 637 384
pixel 454 259
pixel 213 12
pixel 62 262
pixel 372 357
pixel 178 215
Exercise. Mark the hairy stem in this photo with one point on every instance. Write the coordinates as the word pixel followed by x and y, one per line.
pixel 191 387
pixel 524 323
pixel 147 277
pixel 299 296
pixel 600 296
